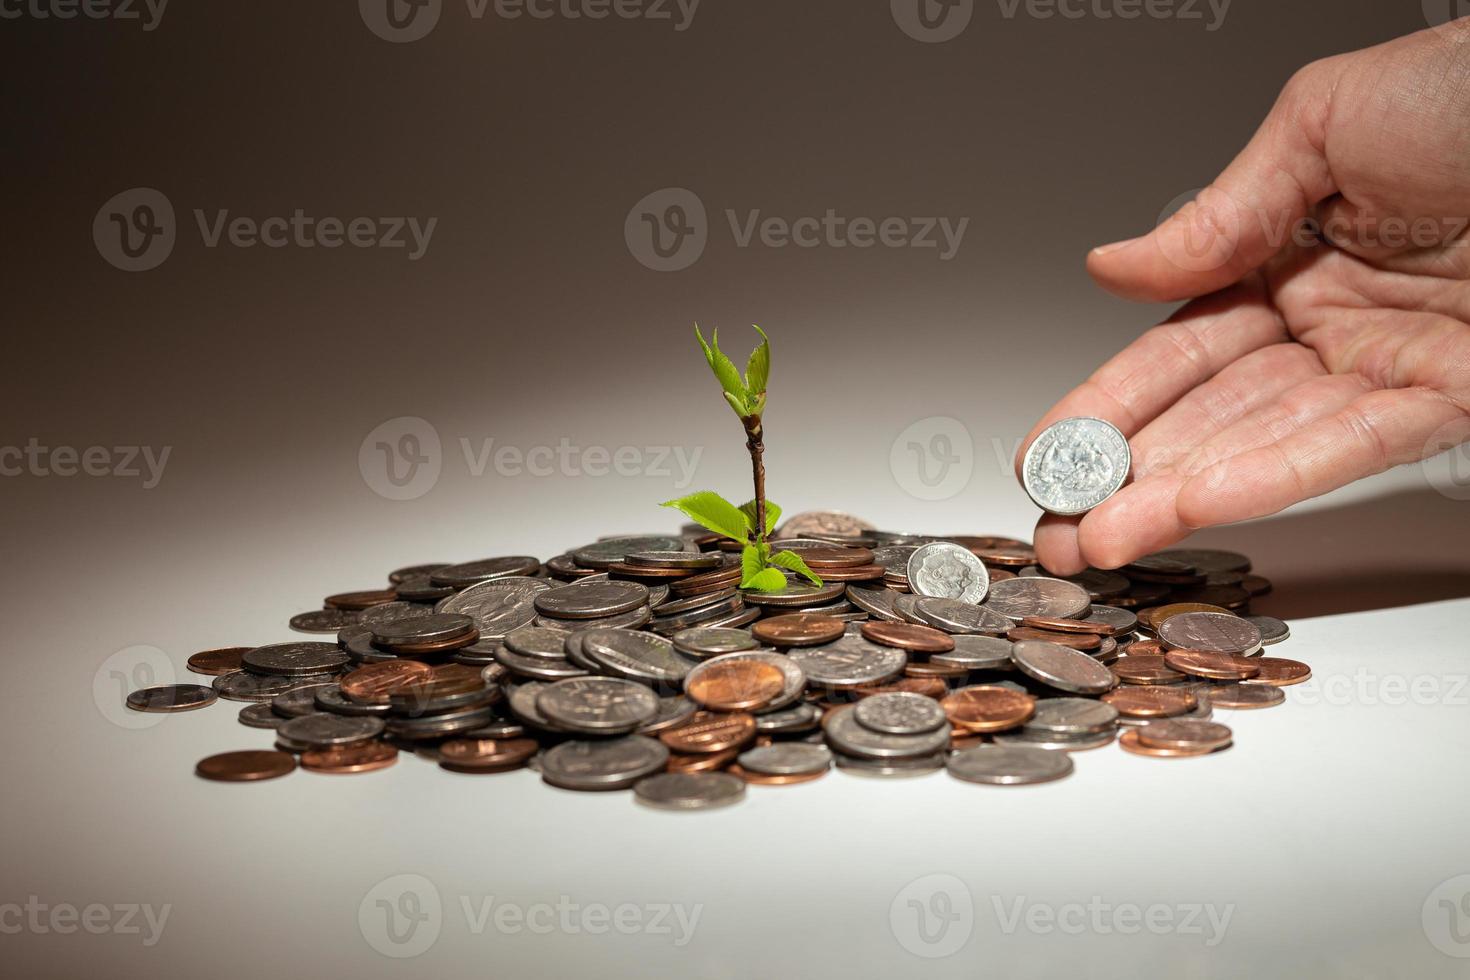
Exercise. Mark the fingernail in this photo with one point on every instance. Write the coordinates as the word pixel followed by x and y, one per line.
pixel 1105 249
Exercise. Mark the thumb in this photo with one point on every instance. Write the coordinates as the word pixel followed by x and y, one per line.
pixel 1246 216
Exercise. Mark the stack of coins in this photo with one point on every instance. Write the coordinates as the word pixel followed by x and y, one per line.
pixel 638 662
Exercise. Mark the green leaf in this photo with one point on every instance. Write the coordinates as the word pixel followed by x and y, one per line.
pixel 751 565
pixel 791 560
pixel 773 514
pixel 769 580
pixel 758 368
pixel 736 403
pixel 724 370
pixel 709 509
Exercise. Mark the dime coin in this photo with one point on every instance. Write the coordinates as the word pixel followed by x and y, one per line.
pixel 592 600
pixel 323 620
pixel 689 790
pixel 606 764
pixel 1061 667
pixel 1075 464
pixel 260 715
pixel 247 766
pixel 899 714
pixel 1279 672
pixel 848 735
pixel 1182 734
pixel 635 656
pixel 361 757
pixel 597 705
pixel 298 701
pixel 907 636
pixel 798 630
pixel 787 759
pixel 295 659
pixel 216 662
pixel 329 697
pixel 1009 765
pixel 1272 629
pixel 1151 702
pixel 851 661
pixel 323 730
pixel 1073 716
pixel 706 641
pixel 732 684
pixel 242 685
pixel 987 708
pixel 470 573
pixel 1114 621
pixel 954 616
pixel 172 697
pixel 946 571
pixel 977 653
pixel 1017 598
pixel 538 641
pixel 1215 666
pixel 1210 632
pixel 1245 695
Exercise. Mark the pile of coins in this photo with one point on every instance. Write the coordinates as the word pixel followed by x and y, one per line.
pixel 637 662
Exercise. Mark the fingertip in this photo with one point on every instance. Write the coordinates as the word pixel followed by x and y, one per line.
pixel 1056 545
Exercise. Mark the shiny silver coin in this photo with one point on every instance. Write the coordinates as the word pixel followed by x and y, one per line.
pixel 597 705
pixel 675 559
pixel 977 653
pixel 591 600
pixel 1118 620
pixel 295 659
pixel 944 570
pixel 1035 738
pixel 1272 629
pixel 689 790
pixel 300 701
pixel 673 710
pixel 900 713
pixel 889 768
pixel 635 656
pixel 1009 765
pixel 798 595
pixel 1075 464
pixel 260 715
pixel 388 611
pixel 422 629
pixel 242 685
pixel 323 730
pixel 894 557
pixel 469 573
pixel 521 700
pixel 703 641
pixel 537 668
pixel 441 725
pixel 877 602
pixel 497 606
pixel 799 717
pixel 329 697
pixel 1210 632
pixel 793 678
pixel 850 661
pixel 678 606
pixel 787 759
pixel 1062 667
pixel 631 620
pixel 171 697
pixel 610 551
pixel 324 620
pixel 1073 716
pixel 957 616
pixel 605 764
pixel 1017 598
pixel 538 641
pixel 906 605
pixel 847 735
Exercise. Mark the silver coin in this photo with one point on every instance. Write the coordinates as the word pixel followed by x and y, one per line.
pixel 323 730
pixel 1073 716
pixel 1009 765
pixel 689 790
pixel 847 735
pixel 477 654
pixel 591 600
pixel 260 715
pixel 1062 667
pixel 329 697
pixel 877 602
pixel 799 717
pixel 900 713
pixel 605 764
pixel 242 685
pixel 736 620
pixel 631 620
pixel 635 656
pixel 537 668
pixel 538 641
pixel 977 653
pixel 668 625
pixel 787 759
pixel 497 606
pixel 522 703
pixel 295 659
pixel 678 606
pixel 673 710
pixel 420 588
pixel 1118 620
pixel 324 620
pixel 947 571
pixel 1099 584
pixel 889 768
pixel 906 605
pixel 470 573
pixel 894 557
pixel 610 551
pixel 1272 629
pixel 701 641
pixel 422 629
pixel 675 559
pixel 172 697
pixel 821 523
pixel 798 595
pixel 300 701
pixel 1036 738
pixel 1075 464
pixel 1017 598
pixel 1210 632
pixel 957 616
pixel 597 705
pixel 575 653
pixel 793 678
pixel 1207 560
pixel 441 725
pixel 849 661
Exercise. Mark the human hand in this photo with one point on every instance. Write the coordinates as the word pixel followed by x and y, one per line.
pixel 1311 360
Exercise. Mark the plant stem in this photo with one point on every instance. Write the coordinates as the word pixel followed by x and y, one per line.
pixel 755 442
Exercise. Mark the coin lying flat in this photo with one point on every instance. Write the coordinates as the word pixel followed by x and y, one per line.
pixel 1151 702
pixel 1242 696
pixel 1210 633
pixel 947 571
pixel 900 714
pixel 851 661
pixel 734 684
pixel 1215 666
pixel 1130 742
pixel 295 659
pixel 635 656
pixel 172 697
pixel 597 705
pixel 322 730
pixel 610 551
pixel 323 620
pixel 260 715
pixel 486 754
pixel 243 767
pixel 787 759
pixel 974 652
pixel 1183 734
pixel 798 630
pixel 607 764
pixel 849 736
pixel 689 790
pixel 485 569
pixel 242 685
pixel 1075 464
pixel 1279 672
pixel 987 708
pixel 1062 667
pixel 705 641
pixel 342 759
pixel 497 606
pixel 1017 598
pixel 1009 765
pixel 908 636
pixel 592 600
pixel 216 662
pixel 1073 716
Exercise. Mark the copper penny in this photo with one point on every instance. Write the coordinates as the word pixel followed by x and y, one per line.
pixel 983 708
pixel 917 671
pixel 908 636
pixel 1279 672
pixel 930 687
pixel 1185 733
pixel 730 685
pixel 1077 641
pixel 1245 696
pixel 1130 742
pixel 798 630
pixel 245 767
pixel 1151 702
pixel 1215 666
pixel 479 754
pixel 1056 625
pixel 1143 648
pixel 707 731
pixel 625 570
pixel 702 762
pixel 1255 585
pixel 216 662
pixel 375 683
pixel 366 756
pixel 772 779
pixel 1008 556
pixel 361 600
pixel 857 573
pixel 833 557
pixel 1154 615
pixel 1145 670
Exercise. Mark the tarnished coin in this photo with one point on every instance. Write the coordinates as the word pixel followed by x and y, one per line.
pixel 954 616
pixel 470 573
pixel 486 754
pixel 798 595
pixel 987 708
pixel 1145 669
pixel 1215 666
pixel 851 661
pixel 1279 672
pixel 846 734
pixel 322 730
pixel 375 683
pixel 389 611
pixel 1009 765
pixel 888 768
pixel 1062 667
pixel 329 697
pixel 242 685
pixel 1114 621
pixel 1272 629
pixel 877 602
pixel 1151 702
pixel 631 620
pixel 422 589
pixel 216 662
pixel 900 714
pixel 1178 733
pixel 610 551
pixel 413 571
pixel 1245 696
pixel 727 684
pixel 260 715
pixel 245 767
pixel 673 710
pixel 799 717
pixel 324 620
pixel 973 652
pixel 947 571
pixel 1075 464
pixel 172 697
pixel 1040 739
pixel 675 559
pixel 592 600
pixel 361 599
pixel 1210 632
pixel 1017 598
pixel 295 659
pixel 300 701
pixel 798 630
pixel 1073 716
pixel 641 657
pixel 597 705
pixel 908 636
pixel 689 790
pixel 1207 559
pixel 787 759
pixel 605 764
pixel 1101 585
pixel 538 641
pixel 358 757
pixel 822 525
pixel 497 606
pixel 707 641
pixel 422 630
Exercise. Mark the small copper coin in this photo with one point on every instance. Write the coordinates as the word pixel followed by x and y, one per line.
pixel 1077 641
pixel 1244 696
pixel 245 767
pixel 1143 648
pixel 798 630
pixel 446 645
pixel 366 756
pixel 1151 702
pixel 1130 742
pixel 474 754
pixel 833 557
pixel 702 762
pixel 1008 556
pixel 918 671
pixel 172 697
pixel 1279 672
pixel 772 779
pixel 1056 625
pixel 983 708
pixel 361 600
pixel 376 683
pixel 1145 670
pixel 707 731
pixel 1215 666
pixel 930 687
pixel 857 573
pixel 731 685
pixel 216 662
pixel 1155 615
pixel 908 636
pixel 1184 733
